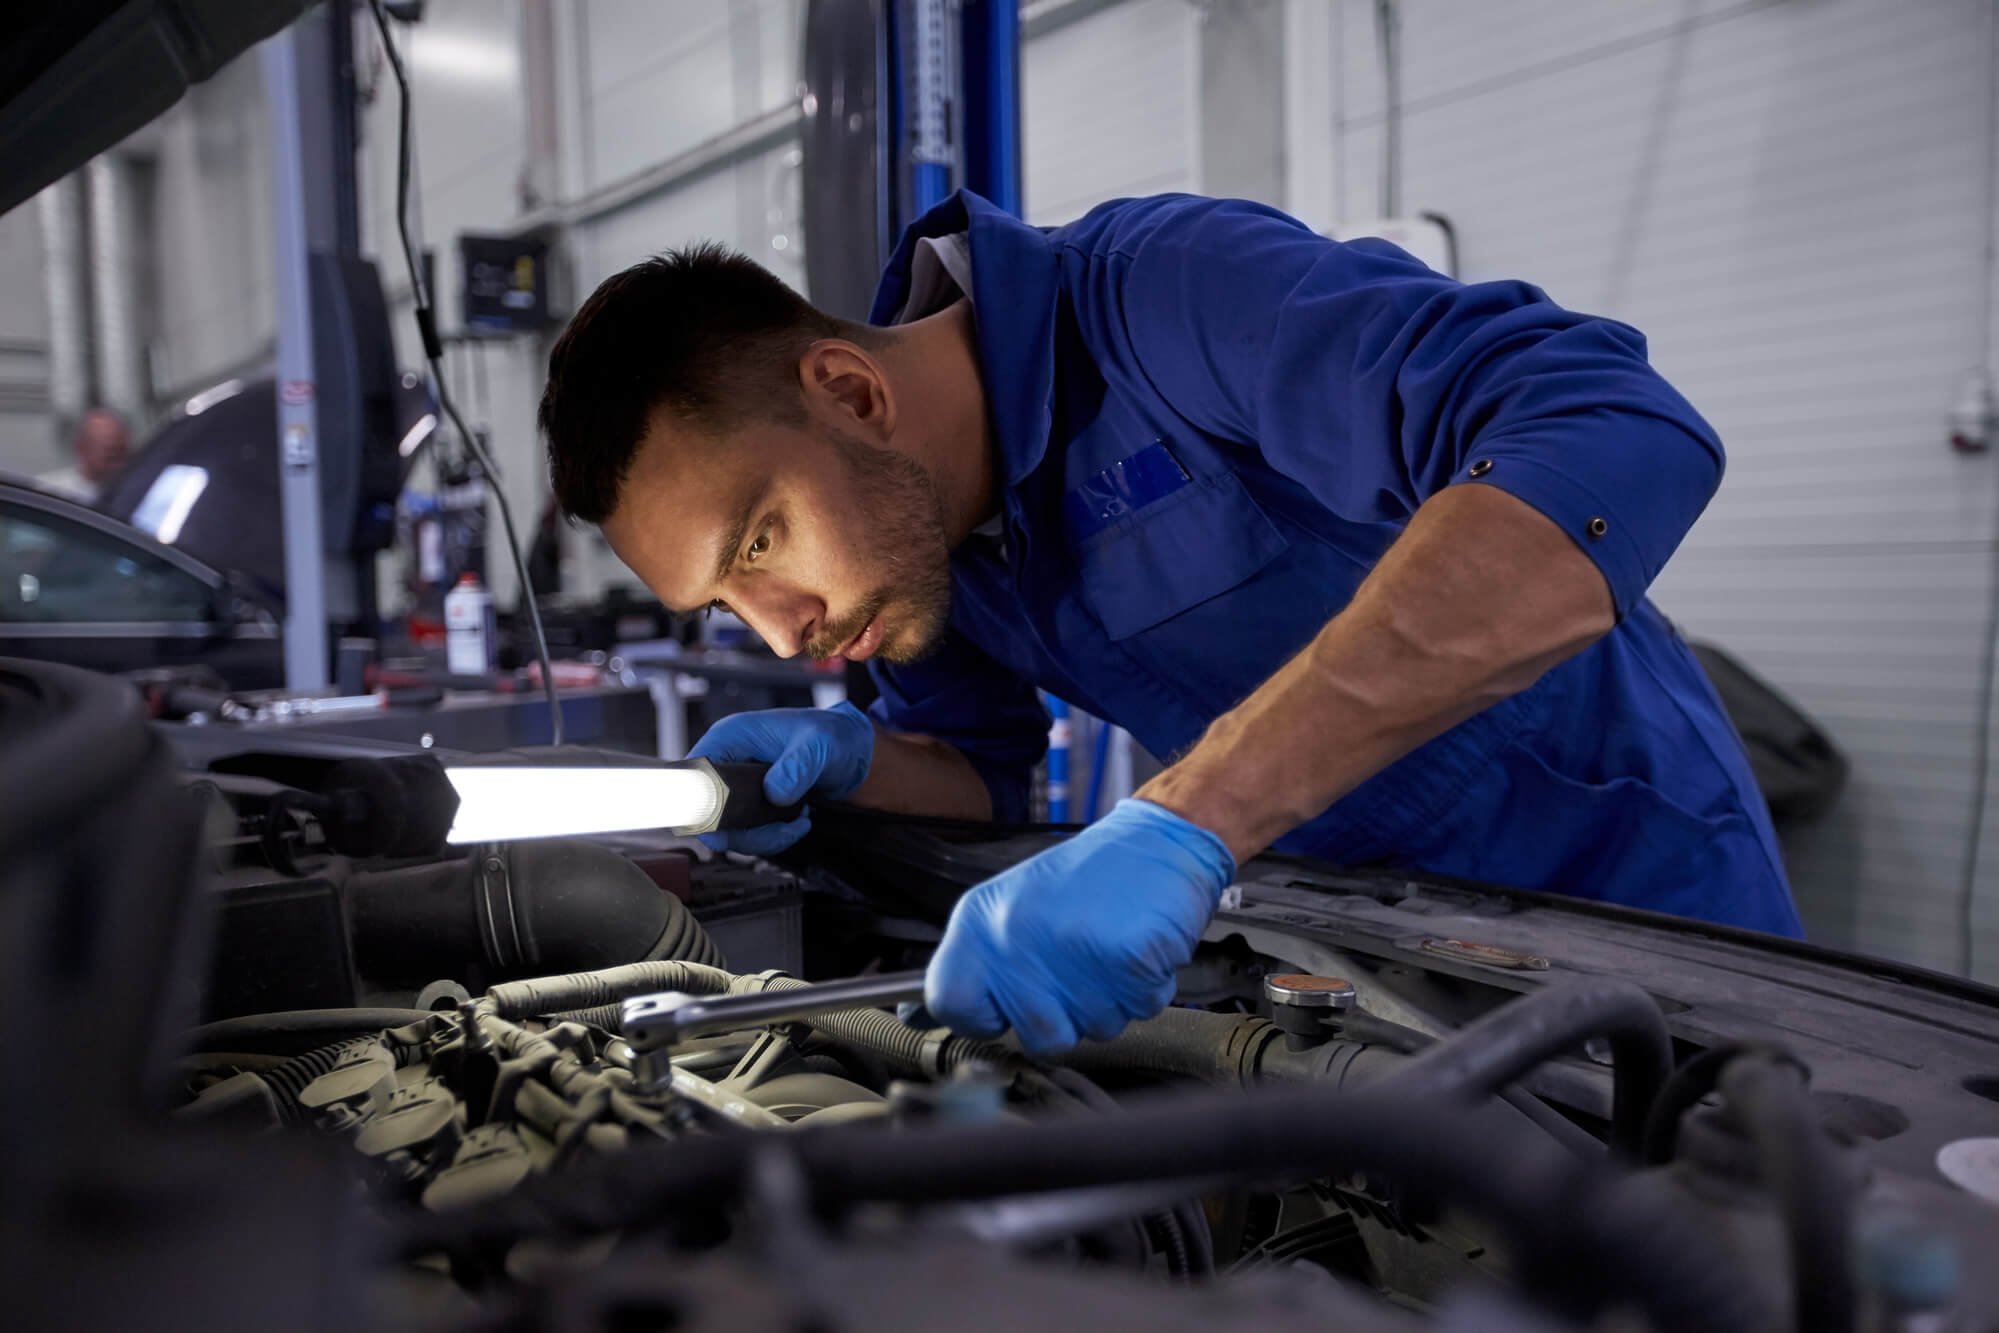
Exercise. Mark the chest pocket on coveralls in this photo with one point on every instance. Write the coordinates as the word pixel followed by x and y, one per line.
pixel 1199 540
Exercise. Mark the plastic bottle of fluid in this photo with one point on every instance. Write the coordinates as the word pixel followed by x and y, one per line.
pixel 468 627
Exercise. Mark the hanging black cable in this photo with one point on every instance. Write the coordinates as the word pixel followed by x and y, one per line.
pixel 433 353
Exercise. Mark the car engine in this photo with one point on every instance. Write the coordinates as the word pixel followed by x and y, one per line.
pixel 254 1081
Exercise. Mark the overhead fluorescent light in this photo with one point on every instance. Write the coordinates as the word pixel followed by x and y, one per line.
pixel 465 55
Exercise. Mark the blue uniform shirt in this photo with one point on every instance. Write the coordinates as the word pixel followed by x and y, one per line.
pixel 1210 424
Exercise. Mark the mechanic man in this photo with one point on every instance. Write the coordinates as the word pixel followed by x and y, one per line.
pixel 1364 549
pixel 100 446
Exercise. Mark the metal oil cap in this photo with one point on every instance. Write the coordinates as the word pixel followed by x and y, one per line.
pixel 1310 992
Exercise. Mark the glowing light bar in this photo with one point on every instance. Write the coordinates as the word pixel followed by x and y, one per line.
pixel 504 803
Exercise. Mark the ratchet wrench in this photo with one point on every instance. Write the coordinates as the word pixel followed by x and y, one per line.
pixel 653 1022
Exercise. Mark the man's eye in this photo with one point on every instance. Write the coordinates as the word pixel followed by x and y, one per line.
pixel 760 546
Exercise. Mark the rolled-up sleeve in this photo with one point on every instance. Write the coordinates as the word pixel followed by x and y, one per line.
pixel 960 695
pixel 1374 382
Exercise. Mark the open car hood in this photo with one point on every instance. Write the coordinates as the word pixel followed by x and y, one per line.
pixel 76 78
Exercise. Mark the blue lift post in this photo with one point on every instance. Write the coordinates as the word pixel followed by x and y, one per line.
pixel 990 47
pixel 932 85
pixel 955 103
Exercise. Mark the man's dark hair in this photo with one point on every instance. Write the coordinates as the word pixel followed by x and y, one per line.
pixel 705 332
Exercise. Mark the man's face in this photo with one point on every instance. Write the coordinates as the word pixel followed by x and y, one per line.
pixel 101 446
pixel 825 544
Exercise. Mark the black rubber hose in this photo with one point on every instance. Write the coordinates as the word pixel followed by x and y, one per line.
pixel 1690 1082
pixel 1163 1230
pixel 684 939
pixel 1579 1232
pixel 1484 1056
pixel 1236 1048
pixel 1187 1043
pixel 536 996
pixel 580 905
pixel 1802 1167
pixel 309 1029
pixel 1408 1040
pixel 1186 1214
pixel 538 907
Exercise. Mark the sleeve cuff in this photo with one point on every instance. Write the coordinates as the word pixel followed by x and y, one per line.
pixel 1603 533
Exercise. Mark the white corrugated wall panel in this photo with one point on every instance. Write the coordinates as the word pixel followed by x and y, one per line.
pixel 216 279
pixel 664 75
pixel 1791 201
pixel 1107 108
pixel 751 206
pixel 28 441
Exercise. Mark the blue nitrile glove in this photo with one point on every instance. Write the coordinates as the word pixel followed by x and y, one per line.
pixel 822 752
pixel 1083 938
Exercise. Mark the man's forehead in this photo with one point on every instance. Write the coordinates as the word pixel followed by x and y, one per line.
pixel 680 499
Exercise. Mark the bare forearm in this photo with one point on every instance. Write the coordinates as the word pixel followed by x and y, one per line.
pixel 920 775
pixel 1479 597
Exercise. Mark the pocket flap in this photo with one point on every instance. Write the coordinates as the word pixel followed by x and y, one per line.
pixel 1176 553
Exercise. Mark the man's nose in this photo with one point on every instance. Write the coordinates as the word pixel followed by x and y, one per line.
pixel 785 617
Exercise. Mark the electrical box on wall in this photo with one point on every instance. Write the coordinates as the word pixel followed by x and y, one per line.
pixel 506 283
pixel 1428 236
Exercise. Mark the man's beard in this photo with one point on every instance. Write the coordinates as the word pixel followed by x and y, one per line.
pixel 906 537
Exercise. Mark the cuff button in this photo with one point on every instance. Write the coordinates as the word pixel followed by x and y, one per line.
pixel 1480 468
pixel 1597 527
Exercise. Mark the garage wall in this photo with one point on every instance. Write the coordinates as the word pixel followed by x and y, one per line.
pixel 28 441
pixel 659 81
pixel 1106 108
pixel 215 282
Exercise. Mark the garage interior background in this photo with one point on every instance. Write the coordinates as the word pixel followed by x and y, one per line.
pixel 1794 199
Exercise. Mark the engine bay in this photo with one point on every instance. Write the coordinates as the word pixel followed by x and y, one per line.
pixel 256 1083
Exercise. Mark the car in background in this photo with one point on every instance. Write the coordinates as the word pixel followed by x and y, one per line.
pixel 85 589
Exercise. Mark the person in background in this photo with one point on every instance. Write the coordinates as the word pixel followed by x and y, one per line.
pixel 101 445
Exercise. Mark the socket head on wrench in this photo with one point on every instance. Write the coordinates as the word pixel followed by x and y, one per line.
pixel 648 1021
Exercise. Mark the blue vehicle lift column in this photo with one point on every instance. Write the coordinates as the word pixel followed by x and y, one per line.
pixel 990 48
pixel 955 94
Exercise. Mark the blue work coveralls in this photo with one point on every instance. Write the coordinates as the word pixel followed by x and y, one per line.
pixel 1211 422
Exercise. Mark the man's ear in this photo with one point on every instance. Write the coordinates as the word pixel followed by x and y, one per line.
pixel 841 378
